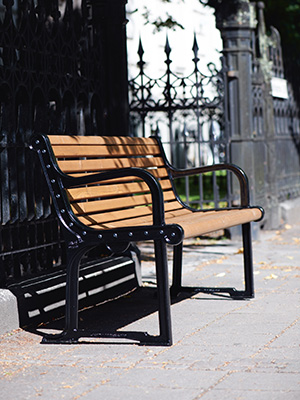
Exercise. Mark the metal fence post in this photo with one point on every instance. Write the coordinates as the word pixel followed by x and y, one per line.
pixel 266 130
pixel 236 22
pixel 110 18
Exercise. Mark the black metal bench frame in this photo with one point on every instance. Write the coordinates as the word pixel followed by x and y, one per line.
pixel 80 239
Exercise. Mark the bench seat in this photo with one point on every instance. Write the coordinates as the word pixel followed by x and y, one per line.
pixel 206 221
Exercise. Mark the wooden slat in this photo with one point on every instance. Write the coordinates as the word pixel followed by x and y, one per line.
pixel 195 225
pixel 158 173
pixel 139 216
pixel 91 192
pixel 104 151
pixel 117 215
pixel 106 217
pixel 73 166
pixel 99 140
pixel 115 204
pixel 133 214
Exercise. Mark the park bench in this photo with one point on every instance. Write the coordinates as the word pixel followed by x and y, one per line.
pixel 118 190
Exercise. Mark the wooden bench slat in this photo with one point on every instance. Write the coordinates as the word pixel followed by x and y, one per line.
pixel 73 166
pixel 116 215
pixel 159 173
pixel 214 221
pixel 99 140
pixel 104 205
pixel 129 213
pixel 107 151
pixel 90 192
pixel 205 222
pixel 137 218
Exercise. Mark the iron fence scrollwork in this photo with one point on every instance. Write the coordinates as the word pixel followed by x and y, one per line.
pixel 53 81
pixel 189 114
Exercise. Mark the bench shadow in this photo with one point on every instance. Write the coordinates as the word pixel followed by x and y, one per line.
pixel 109 323
pixel 110 320
pixel 105 315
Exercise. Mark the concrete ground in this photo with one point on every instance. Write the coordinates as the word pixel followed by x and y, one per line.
pixel 223 349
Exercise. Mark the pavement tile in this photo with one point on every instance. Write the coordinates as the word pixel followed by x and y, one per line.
pixel 108 392
pixel 262 381
pixel 205 356
pixel 165 378
pixel 228 394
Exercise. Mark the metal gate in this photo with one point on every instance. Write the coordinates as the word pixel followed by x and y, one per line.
pixel 189 114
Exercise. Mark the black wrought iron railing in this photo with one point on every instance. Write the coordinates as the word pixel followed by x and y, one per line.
pixel 188 113
pixel 276 114
pixel 55 78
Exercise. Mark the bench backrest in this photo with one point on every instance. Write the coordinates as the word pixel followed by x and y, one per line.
pixel 116 199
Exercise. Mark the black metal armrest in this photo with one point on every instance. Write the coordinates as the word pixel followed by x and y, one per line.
pixel 239 173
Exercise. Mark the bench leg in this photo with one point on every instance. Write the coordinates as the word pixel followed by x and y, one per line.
pixel 70 333
pixel 247 293
pixel 164 305
pixel 72 293
pixel 248 261
pixel 177 270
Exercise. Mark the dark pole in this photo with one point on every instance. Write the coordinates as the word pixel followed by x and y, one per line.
pixel 234 22
pixel 237 23
pixel 109 16
pixel 252 150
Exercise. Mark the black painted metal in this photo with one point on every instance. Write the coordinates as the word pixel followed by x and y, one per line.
pixel 247 293
pixel 244 201
pixel 276 123
pixel 189 114
pixel 42 299
pixel 80 238
pixel 63 71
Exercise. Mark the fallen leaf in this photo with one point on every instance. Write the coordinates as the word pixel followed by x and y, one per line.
pixel 272 276
pixel 240 251
pixel 220 274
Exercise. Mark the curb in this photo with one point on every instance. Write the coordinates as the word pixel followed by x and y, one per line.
pixel 289 211
pixel 8 312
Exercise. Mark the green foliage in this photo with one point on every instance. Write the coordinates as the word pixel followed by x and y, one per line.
pixel 206 188
pixel 169 23
pixel 285 16
pixel 161 22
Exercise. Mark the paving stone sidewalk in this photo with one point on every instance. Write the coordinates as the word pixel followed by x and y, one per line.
pixel 223 348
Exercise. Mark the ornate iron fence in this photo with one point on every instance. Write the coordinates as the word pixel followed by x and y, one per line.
pixel 56 77
pixel 189 114
pixel 276 116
